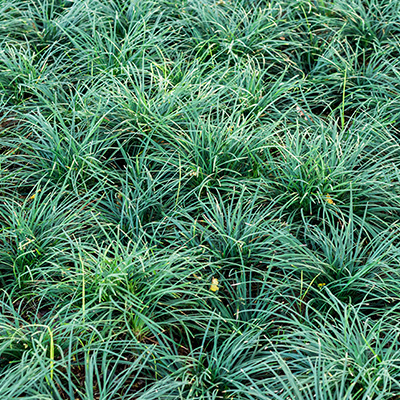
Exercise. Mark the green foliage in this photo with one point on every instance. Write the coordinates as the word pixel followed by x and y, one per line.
pixel 199 199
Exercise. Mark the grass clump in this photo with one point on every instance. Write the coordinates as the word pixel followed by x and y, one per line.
pixel 199 200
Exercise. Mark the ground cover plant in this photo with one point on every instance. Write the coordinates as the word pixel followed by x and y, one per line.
pixel 199 199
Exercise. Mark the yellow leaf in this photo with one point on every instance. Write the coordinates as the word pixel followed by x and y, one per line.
pixel 34 195
pixel 329 199
pixel 214 285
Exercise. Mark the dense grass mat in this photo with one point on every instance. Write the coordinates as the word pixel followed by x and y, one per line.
pixel 199 199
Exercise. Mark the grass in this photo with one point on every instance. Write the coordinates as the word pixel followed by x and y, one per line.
pixel 199 199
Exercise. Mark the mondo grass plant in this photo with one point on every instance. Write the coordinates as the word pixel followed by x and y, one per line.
pixel 199 200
